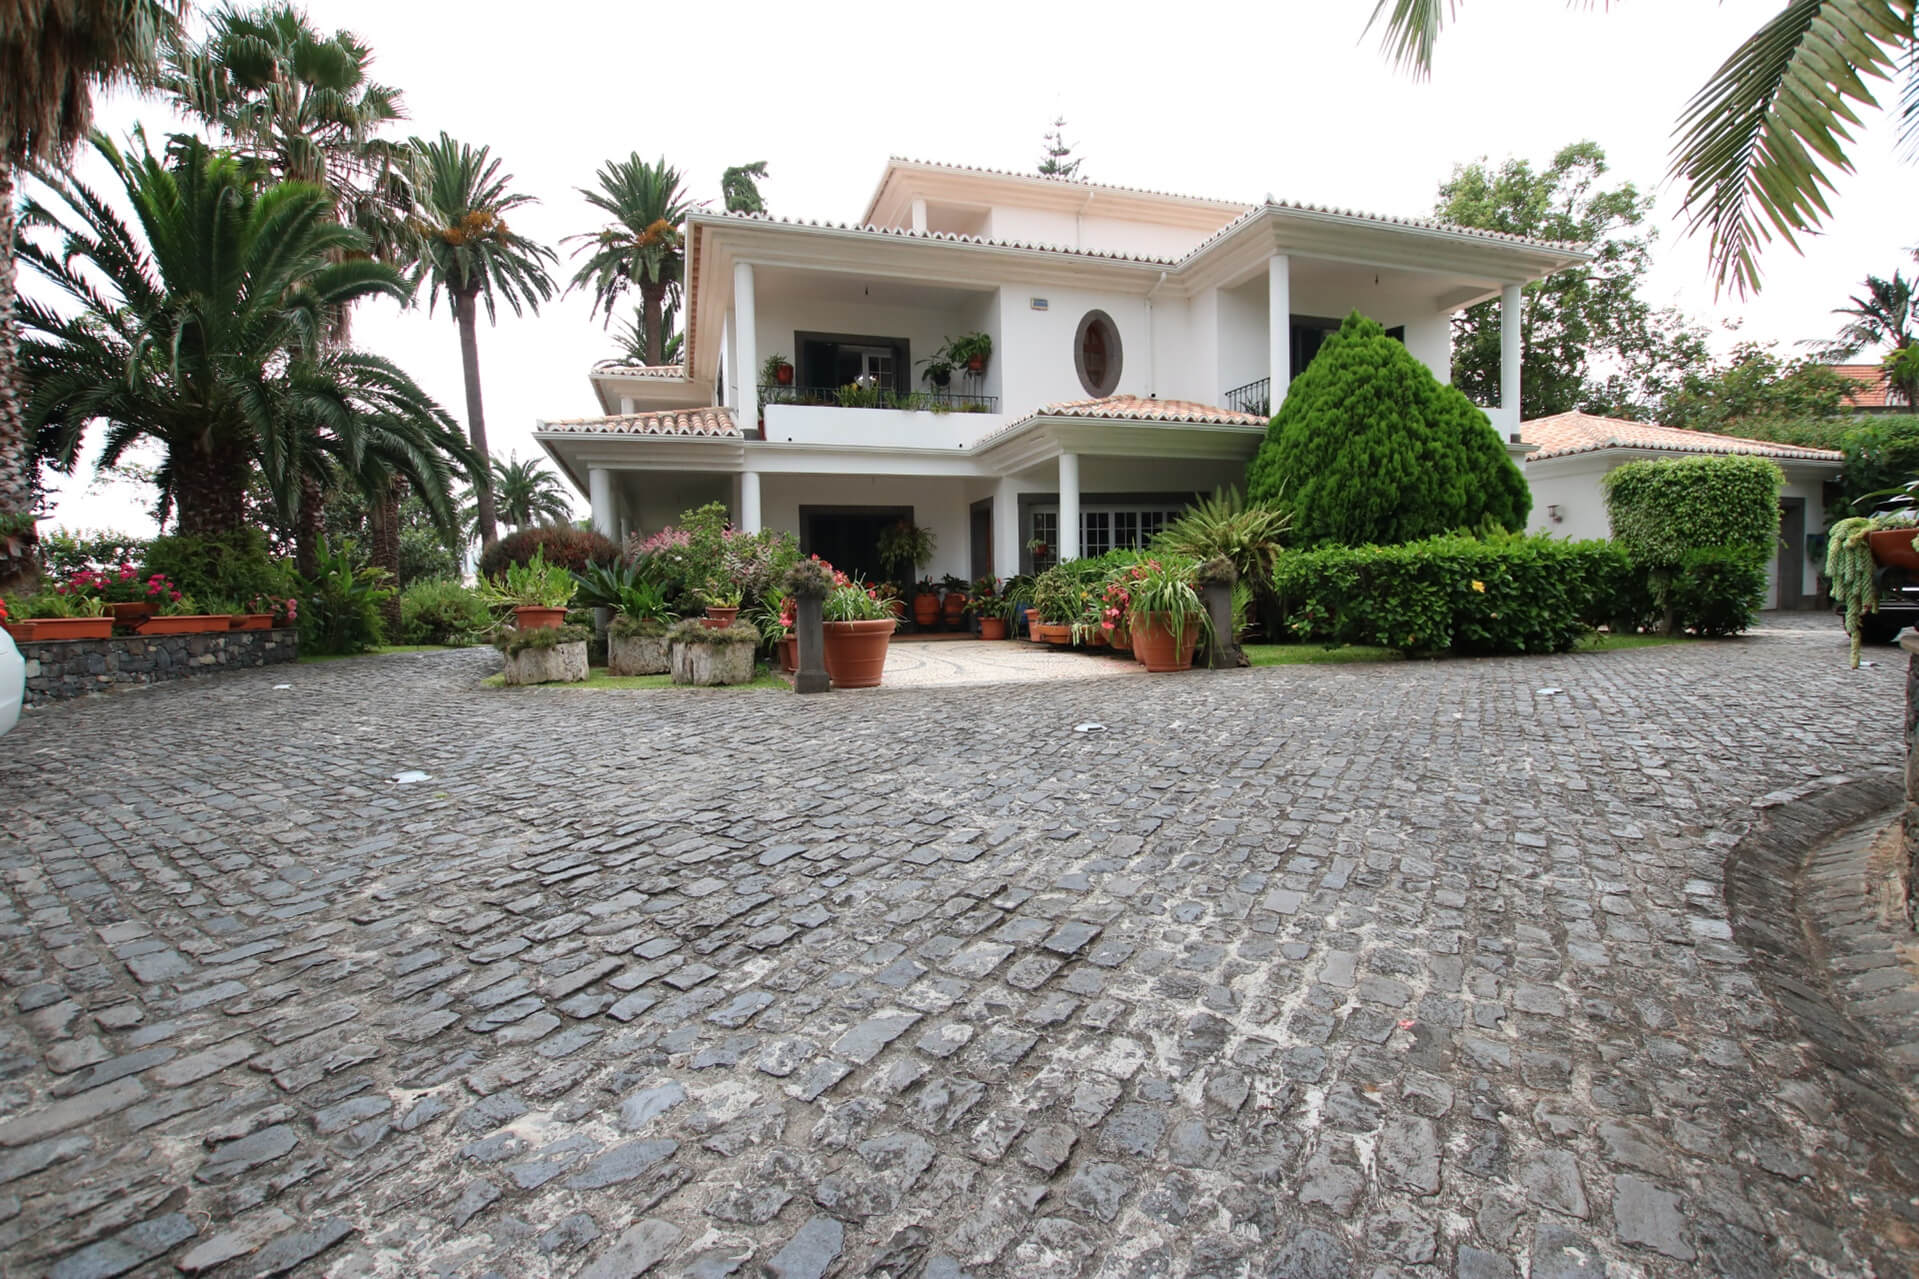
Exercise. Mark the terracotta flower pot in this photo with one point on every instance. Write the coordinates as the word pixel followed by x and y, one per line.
pixel 1892 548
pixel 992 628
pixel 532 617
pixel 133 614
pixel 783 375
pixel 251 621
pixel 718 618
pixel 21 631
pixel 182 624
pixel 1121 639
pixel 977 364
pixel 856 652
pixel 954 607
pixel 1154 642
pixel 789 653
pixel 59 628
pixel 897 607
pixel 926 609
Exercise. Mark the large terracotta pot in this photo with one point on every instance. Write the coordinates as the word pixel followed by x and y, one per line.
pixel 790 653
pixel 718 618
pixel 1154 646
pixel 926 609
pixel 954 607
pixel 529 617
pixel 992 628
pixel 251 621
pixel 134 613
pixel 59 628
pixel 1892 548
pixel 1121 638
pixel 1058 634
pixel 182 624
pixel 856 652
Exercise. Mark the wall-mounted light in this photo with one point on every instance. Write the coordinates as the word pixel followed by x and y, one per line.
pixel 1556 515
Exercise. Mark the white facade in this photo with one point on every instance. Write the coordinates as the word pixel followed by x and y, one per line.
pixel 1192 309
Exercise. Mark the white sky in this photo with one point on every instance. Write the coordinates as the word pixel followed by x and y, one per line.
pixel 1233 101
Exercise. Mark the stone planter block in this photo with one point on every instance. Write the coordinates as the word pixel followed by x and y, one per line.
pixel 637 655
pixel 561 664
pixel 709 664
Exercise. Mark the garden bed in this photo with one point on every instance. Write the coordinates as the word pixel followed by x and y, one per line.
pixel 62 669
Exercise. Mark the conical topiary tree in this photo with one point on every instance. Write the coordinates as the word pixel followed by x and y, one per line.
pixel 1370 447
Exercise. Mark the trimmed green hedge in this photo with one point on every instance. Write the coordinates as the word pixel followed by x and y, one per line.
pixel 1663 511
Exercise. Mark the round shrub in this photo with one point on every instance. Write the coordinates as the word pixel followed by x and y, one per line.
pixel 574 548
pixel 1369 448
pixel 441 611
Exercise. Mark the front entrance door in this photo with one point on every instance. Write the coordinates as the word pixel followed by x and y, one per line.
pixel 981 538
pixel 1792 553
pixel 848 537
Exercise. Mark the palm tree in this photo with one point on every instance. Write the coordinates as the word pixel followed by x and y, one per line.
pixel 55 54
pixel 641 247
pixel 630 338
pixel 525 494
pixel 203 331
pixel 740 188
pixel 1757 145
pixel 1884 316
pixel 460 243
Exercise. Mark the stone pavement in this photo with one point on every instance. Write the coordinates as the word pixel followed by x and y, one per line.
pixel 1312 971
pixel 950 663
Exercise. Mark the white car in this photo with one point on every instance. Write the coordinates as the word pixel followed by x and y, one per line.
pixel 13 682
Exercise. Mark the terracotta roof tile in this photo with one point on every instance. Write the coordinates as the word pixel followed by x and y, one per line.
pixel 1871 390
pixel 709 423
pixel 950 237
pixel 672 372
pixel 1564 434
pixel 1133 408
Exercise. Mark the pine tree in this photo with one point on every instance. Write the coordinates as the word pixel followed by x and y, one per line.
pixel 1370 448
pixel 1054 163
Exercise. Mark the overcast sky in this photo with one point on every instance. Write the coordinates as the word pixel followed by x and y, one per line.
pixel 1233 101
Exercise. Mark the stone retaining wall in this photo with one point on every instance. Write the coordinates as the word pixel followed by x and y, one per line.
pixel 59 669
pixel 1909 641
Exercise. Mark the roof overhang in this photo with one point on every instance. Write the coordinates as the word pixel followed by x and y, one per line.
pixel 1610 453
pixel 657 389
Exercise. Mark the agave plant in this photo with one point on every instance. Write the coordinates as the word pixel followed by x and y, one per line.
pixel 1227 526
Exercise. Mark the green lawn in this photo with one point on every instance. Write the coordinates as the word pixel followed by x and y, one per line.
pixel 598 678
pixel 374 652
pixel 1606 643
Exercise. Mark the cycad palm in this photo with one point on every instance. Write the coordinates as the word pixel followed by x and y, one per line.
pixel 461 244
pixel 52 57
pixel 203 333
pixel 1757 145
pixel 641 247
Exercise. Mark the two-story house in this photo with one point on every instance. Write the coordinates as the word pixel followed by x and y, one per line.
pixel 1139 342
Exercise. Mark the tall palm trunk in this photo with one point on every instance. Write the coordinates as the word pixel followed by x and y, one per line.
pixel 383 529
pixel 210 488
pixel 16 447
pixel 307 529
pixel 464 306
pixel 653 307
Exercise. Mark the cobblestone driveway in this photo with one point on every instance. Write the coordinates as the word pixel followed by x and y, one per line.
pixel 1295 972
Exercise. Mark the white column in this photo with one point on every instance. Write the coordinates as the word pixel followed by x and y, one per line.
pixel 1006 538
pixel 730 393
pixel 1068 507
pixel 749 501
pixel 1510 328
pixel 747 411
pixel 626 405
pixel 1279 325
pixel 599 491
pixel 919 215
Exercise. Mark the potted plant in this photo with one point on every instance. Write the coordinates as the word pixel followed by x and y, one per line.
pixel 904 547
pixel 130 597
pixel 776 371
pixel 20 628
pixel 954 605
pixel 926 603
pixel 996 614
pixel 937 369
pixel 1056 600
pixel 636 641
pixel 536 591
pixel 57 615
pixel 970 351
pixel 180 615
pixel 722 602
pixel 278 612
pixel 858 628
pixel 1166 614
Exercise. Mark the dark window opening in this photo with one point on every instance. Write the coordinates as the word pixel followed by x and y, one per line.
pixel 1097 354
pixel 828 361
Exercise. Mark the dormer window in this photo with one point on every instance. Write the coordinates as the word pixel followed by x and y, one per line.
pixel 1097 354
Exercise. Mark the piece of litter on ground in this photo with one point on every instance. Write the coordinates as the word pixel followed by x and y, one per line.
pixel 283 686
pixel 1089 727
pixel 1550 692
pixel 1869 663
pixel 410 776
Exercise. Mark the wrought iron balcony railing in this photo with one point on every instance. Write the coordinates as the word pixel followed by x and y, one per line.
pixel 871 397
pixel 1254 397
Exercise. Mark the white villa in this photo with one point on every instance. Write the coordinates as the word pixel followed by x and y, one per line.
pixel 1139 340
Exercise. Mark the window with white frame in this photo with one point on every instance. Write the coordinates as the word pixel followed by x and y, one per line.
pixel 1102 528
